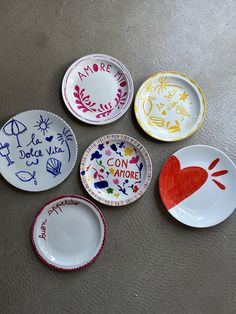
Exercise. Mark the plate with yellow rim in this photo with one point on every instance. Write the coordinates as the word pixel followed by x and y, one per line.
pixel 170 106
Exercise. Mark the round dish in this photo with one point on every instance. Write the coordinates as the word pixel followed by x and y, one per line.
pixel 38 150
pixel 170 106
pixel 68 233
pixel 97 89
pixel 197 186
pixel 116 169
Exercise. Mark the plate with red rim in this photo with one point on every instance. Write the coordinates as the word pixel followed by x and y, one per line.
pixel 197 186
pixel 68 233
pixel 97 89
pixel 116 169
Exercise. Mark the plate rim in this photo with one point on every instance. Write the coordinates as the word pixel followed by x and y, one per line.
pixel 142 150
pixel 184 148
pixel 93 259
pixel 127 72
pixel 76 147
pixel 203 102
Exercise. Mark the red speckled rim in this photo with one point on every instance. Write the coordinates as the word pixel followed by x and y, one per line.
pixel 60 268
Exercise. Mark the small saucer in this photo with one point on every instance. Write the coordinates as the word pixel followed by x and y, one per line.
pixel 97 89
pixel 68 233
pixel 38 150
pixel 197 186
pixel 170 106
pixel 116 169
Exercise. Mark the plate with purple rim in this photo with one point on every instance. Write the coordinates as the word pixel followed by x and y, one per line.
pixel 97 89
pixel 68 233
pixel 116 169
pixel 38 150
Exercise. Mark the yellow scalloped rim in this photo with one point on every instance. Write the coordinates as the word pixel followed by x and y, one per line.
pixel 177 138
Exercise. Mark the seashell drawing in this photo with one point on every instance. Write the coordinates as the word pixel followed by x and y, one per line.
pixel 53 166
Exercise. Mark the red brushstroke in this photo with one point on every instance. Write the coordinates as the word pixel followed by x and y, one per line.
pixel 219 173
pixel 177 184
pixel 220 185
pixel 214 163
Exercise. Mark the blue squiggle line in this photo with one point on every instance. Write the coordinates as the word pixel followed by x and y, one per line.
pixel 32 163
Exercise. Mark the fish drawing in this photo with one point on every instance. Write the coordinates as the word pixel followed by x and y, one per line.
pixel 26 176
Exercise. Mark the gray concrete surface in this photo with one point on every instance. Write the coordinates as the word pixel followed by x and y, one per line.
pixel 151 263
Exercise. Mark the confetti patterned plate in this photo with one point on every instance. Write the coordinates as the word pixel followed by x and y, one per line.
pixel 197 186
pixel 68 233
pixel 116 170
pixel 170 106
pixel 38 150
pixel 97 89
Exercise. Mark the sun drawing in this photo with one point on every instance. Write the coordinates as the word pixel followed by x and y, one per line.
pixel 43 124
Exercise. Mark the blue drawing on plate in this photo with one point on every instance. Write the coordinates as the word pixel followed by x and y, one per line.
pixel 65 136
pixel 101 184
pixel 140 167
pixel 114 148
pixel 49 138
pixel 43 124
pixel 30 163
pixel 121 145
pixel 14 127
pixel 53 166
pixel 5 152
pixel 123 189
pixel 96 155
pixel 26 176
pixel 34 141
pixel 101 146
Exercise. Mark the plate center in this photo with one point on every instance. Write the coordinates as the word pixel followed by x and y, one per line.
pixel 73 235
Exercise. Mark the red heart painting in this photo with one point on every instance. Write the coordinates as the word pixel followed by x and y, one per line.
pixel 176 184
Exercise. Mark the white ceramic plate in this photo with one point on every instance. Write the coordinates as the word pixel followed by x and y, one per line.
pixel 197 186
pixel 97 89
pixel 38 150
pixel 116 169
pixel 68 233
pixel 170 106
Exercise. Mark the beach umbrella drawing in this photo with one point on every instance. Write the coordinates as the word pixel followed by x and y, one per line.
pixel 14 127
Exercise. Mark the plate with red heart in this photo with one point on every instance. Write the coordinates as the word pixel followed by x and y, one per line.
pixel 197 186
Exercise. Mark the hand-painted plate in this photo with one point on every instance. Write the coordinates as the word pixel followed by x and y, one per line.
pixel 197 186
pixel 97 89
pixel 116 170
pixel 170 106
pixel 68 233
pixel 38 150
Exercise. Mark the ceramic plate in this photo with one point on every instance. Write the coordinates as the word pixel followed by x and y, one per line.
pixel 116 170
pixel 170 106
pixel 97 89
pixel 197 186
pixel 38 150
pixel 68 233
